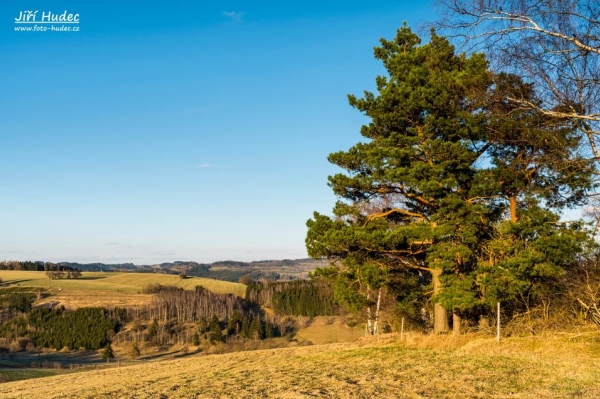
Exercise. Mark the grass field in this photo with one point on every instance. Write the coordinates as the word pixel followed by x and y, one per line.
pixel 327 330
pixel 99 289
pixel 421 367
pixel 27 374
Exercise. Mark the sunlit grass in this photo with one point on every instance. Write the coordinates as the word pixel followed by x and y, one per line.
pixel 326 330
pixel 110 289
pixel 124 282
pixel 472 367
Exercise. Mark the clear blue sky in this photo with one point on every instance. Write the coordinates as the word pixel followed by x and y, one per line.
pixel 180 130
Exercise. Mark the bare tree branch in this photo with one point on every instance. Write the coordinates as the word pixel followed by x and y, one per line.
pixel 553 44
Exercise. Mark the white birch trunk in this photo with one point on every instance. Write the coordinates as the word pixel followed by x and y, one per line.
pixel 369 324
pixel 376 325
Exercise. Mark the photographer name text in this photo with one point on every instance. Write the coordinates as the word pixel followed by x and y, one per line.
pixel 46 17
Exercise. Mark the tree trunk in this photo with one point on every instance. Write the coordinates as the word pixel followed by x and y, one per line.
pixel 440 316
pixel 513 209
pixel 369 326
pixel 376 325
pixel 456 320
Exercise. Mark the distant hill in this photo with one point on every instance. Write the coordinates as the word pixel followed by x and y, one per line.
pixel 227 270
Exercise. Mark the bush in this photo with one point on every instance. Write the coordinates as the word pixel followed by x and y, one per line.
pixel 246 280
pixel 108 353
pixel 14 347
pixel 30 347
pixel 152 288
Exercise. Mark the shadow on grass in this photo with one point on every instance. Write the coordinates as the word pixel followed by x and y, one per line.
pixel 90 278
pixel 9 364
pixel 160 355
pixel 8 283
pixel 42 360
pixel 25 374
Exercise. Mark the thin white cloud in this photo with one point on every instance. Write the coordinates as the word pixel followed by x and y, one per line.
pixel 234 15
pixel 203 165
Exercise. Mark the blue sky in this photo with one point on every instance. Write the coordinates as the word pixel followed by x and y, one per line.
pixel 180 130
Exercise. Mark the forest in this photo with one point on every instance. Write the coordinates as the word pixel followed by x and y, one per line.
pixel 174 316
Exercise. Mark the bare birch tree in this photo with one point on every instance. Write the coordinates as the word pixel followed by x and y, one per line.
pixel 554 44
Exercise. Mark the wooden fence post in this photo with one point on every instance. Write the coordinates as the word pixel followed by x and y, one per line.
pixel 498 324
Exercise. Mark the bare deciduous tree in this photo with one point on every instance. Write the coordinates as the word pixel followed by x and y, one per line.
pixel 554 44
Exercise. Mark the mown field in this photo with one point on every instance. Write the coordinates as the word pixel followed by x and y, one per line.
pixel 110 289
pixel 421 367
pixel 328 330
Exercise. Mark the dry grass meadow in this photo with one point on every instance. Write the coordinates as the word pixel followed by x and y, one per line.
pixel 467 366
pixel 328 330
pixel 560 366
pixel 109 289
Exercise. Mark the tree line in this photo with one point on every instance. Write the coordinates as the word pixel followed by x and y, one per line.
pixel 298 297
pixel 22 265
pixel 192 305
pixel 59 327
pixel 174 316
pixel 53 271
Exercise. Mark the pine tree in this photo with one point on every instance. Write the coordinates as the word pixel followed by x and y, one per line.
pixel 153 331
pixel 256 329
pixel 108 353
pixel 246 328
pixel 216 334
pixel 405 197
pixel 134 351
pixel 269 333
pixel 454 185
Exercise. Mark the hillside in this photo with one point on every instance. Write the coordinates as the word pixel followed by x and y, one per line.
pixel 110 289
pixel 423 367
pixel 228 270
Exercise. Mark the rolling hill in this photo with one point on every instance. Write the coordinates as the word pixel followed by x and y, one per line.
pixel 110 289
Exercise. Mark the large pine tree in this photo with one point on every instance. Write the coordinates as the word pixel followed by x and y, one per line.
pixel 405 199
pixel 443 164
